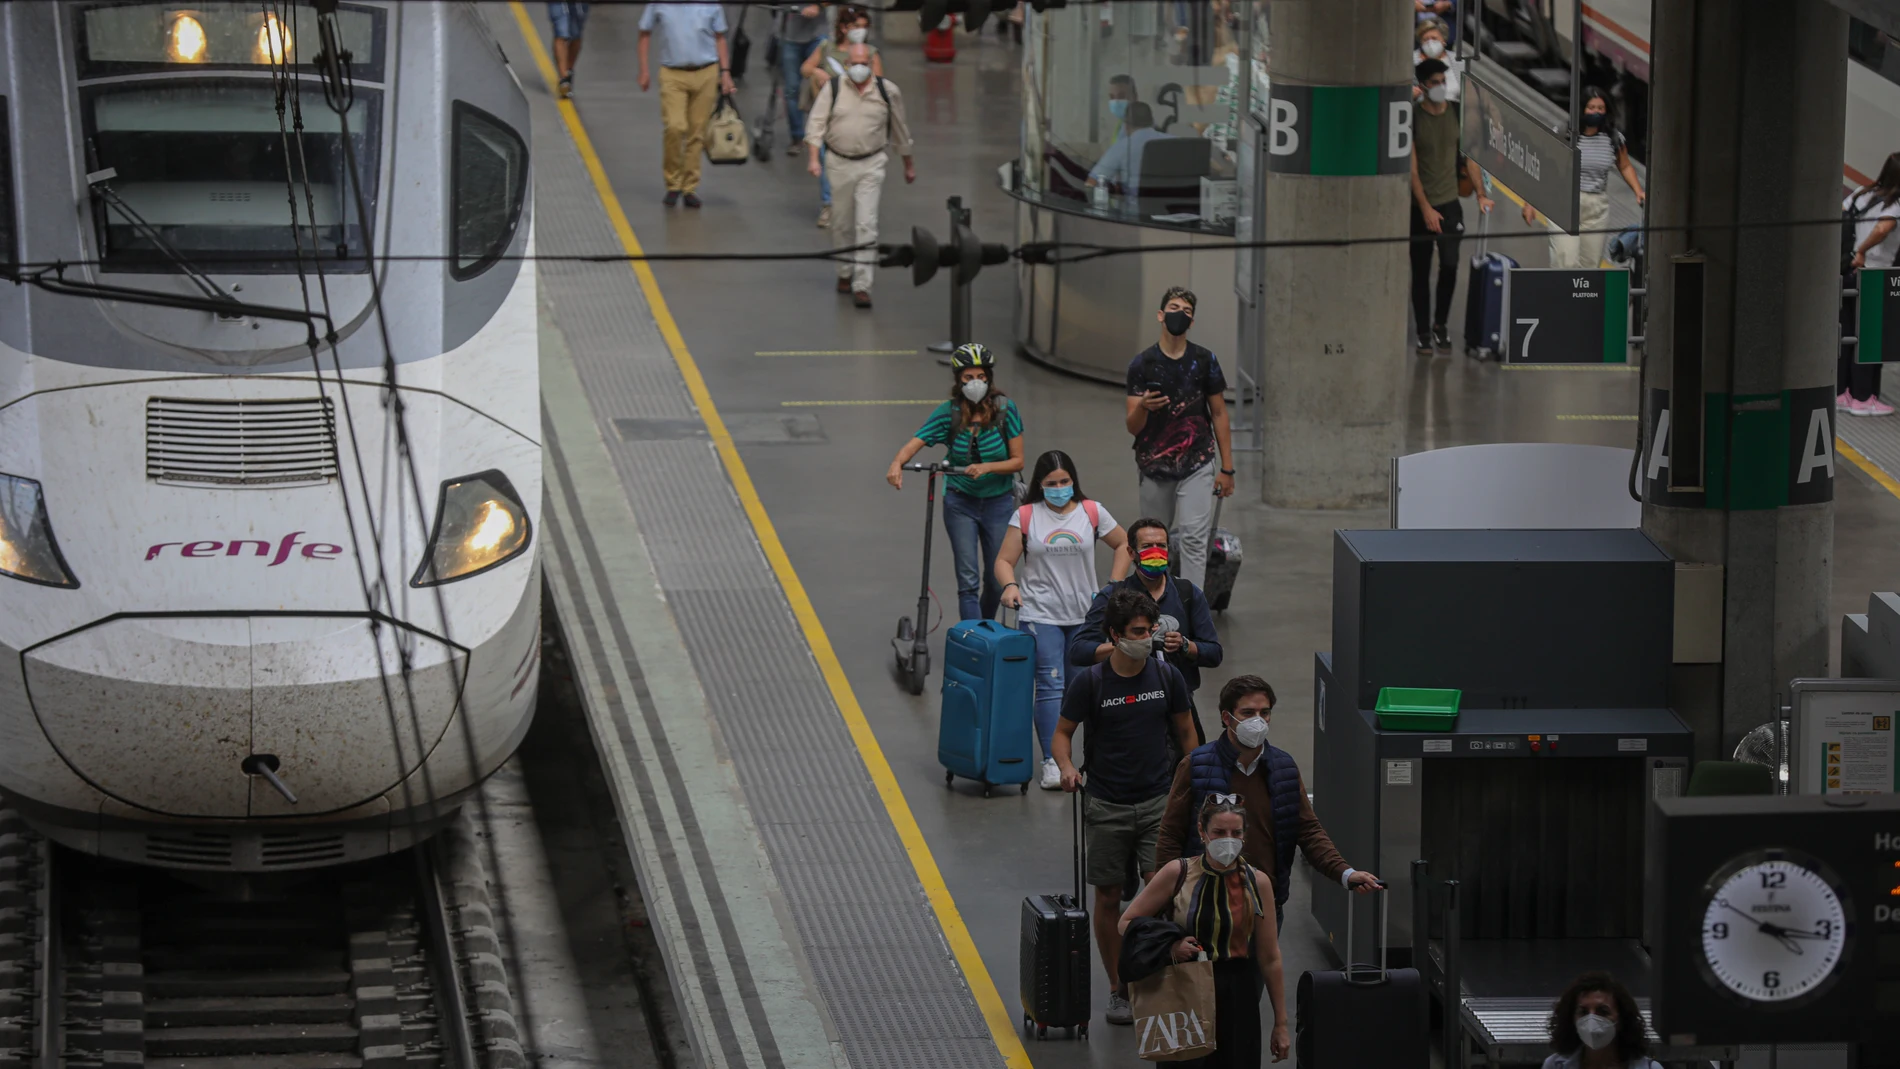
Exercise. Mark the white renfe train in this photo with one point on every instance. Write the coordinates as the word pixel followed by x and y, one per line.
pixel 196 524
pixel 1616 38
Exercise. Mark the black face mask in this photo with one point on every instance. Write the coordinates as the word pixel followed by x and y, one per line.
pixel 1178 322
pixel 1594 120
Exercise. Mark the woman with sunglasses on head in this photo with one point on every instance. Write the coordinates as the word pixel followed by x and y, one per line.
pixel 983 433
pixel 1222 903
pixel 1047 571
pixel 1597 1025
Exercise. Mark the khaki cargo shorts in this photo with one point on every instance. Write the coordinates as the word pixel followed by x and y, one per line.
pixel 1117 831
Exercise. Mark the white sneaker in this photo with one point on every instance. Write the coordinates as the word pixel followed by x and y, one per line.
pixel 1051 775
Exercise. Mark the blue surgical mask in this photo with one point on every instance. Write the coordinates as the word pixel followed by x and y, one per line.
pixel 1058 496
pixel 1118 108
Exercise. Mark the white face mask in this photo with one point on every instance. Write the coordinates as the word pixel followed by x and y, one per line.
pixel 857 35
pixel 1596 1032
pixel 1432 48
pixel 859 72
pixel 1437 94
pixel 1224 851
pixel 1138 648
pixel 976 389
pixel 1251 732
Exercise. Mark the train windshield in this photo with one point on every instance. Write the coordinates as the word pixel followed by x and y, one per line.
pixel 211 171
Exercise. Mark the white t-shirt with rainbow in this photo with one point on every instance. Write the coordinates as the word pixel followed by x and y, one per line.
pixel 1057 573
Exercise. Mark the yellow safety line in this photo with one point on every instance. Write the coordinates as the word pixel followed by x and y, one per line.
pixel 813 404
pixel 1601 419
pixel 838 352
pixel 1001 1022
pixel 1873 470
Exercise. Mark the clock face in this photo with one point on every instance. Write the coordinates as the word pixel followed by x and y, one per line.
pixel 1774 930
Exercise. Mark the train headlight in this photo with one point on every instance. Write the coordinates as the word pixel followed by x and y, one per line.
pixel 27 548
pixel 479 523
pixel 188 40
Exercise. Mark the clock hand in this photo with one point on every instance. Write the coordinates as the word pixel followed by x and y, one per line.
pixel 1773 931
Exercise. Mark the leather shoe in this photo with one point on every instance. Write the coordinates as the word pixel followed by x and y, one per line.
pixel 844 285
pixel 692 200
pixel 672 197
pixel 861 299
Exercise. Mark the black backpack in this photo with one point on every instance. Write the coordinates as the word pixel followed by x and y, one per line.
pixel 1851 216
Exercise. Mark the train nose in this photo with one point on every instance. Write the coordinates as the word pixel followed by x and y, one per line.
pixel 164 713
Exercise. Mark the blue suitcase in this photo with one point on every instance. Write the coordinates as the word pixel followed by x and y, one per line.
pixel 1484 304
pixel 986 730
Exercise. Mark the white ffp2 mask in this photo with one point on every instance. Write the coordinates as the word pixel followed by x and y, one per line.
pixel 857 35
pixel 1596 1032
pixel 976 389
pixel 859 72
pixel 1224 851
pixel 1251 732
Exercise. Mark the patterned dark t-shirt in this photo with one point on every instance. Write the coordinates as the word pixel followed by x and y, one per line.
pixel 1178 439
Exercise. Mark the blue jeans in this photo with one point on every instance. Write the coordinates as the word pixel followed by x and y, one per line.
pixel 1052 676
pixel 976 526
pixel 790 55
pixel 568 19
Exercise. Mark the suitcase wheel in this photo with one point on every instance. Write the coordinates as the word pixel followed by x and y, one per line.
pixel 950 780
pixel 1042 1031
pixel 986 790
pixel 1025 789
pixel 1082 1031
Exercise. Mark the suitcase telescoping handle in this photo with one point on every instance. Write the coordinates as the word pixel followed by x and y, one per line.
pixel 1358 973
pixel 1080 848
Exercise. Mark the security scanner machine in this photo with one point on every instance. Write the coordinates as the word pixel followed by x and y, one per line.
pixel 1534 798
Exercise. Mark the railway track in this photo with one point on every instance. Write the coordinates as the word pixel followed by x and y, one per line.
pixel 391 964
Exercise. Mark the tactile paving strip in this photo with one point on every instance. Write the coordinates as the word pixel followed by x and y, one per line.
pixel 897 996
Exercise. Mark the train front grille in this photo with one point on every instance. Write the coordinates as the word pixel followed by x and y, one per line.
pixel 250 442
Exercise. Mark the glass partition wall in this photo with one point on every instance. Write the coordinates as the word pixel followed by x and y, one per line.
pixel 1131 123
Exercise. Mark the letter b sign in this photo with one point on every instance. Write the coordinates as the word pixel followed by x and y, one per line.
pixel 1283 136
pixel 1398 129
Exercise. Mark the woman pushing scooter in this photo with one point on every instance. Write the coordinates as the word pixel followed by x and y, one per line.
pixel 984 434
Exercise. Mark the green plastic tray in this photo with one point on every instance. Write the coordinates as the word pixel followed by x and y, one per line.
pixel 1417 708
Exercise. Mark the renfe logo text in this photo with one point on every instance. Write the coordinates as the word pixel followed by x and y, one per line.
pixel 255 547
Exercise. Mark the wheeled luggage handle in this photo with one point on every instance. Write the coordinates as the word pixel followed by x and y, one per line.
pixel 1080 848
pixel 1354 971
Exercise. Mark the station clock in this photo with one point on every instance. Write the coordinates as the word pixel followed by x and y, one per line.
pixel 1775 929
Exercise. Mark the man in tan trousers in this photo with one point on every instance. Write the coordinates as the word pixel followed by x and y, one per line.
pixel 695 67
pixel 856 118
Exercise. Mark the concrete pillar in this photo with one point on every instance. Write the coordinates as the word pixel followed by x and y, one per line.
pixel 1746 117
pixel 1332 320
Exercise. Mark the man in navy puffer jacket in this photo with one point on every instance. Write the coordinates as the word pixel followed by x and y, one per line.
pixel 1240 761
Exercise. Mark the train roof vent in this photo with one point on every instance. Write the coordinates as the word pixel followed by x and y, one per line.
pixel 189 849
pixel 250 442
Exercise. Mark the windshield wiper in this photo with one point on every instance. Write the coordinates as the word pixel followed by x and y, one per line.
pixel 98 179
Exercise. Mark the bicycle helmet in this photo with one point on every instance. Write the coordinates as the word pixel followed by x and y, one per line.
pixel 973 354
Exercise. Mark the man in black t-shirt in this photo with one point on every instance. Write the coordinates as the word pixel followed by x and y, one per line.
pixel 1184 449
pixel 1130 703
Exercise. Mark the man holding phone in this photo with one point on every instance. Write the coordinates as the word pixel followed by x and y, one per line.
pixel 1184 448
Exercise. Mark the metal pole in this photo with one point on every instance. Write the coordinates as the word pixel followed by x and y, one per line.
pixel 959 289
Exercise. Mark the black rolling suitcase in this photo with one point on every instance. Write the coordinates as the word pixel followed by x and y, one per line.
pixel 1055 953
pixel 1223 563
pixel 1333 1008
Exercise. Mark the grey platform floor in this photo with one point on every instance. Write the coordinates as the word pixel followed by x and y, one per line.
pixel 854 541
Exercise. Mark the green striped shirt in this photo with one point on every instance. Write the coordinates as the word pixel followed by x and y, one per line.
pixel 975 445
